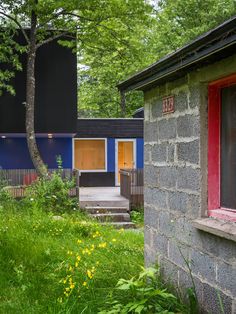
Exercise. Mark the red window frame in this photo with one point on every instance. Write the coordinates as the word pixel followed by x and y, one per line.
pixel 214 136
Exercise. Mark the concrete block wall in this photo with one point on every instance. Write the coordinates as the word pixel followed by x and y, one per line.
pixel 175 179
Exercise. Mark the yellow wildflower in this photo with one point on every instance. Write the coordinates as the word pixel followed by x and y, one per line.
pixel 89 274
pixel 84 283
pixel 72 285
pixel 79 241
pixel 76 264
pixel 102 245
pixel 113 240
pixel 78 258
pixel 96 234
pixel 71 268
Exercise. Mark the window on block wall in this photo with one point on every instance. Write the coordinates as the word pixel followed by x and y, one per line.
pixel 222 148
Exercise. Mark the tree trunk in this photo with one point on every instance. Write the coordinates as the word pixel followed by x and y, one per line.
pixel 30 101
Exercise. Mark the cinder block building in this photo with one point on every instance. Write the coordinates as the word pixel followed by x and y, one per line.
pixel 190 166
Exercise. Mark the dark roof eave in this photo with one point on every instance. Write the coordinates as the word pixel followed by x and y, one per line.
pixel 183 58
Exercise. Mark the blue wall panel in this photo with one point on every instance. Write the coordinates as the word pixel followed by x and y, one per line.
pixel 14 152
pixel 139 152
pixel 110 155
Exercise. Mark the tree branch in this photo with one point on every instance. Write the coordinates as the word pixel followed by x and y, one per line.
pixel 18 24
pixel 48 40
pixel 52 18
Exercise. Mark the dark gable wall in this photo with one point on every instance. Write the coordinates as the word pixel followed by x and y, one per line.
pixel 56 93
pixel 113 128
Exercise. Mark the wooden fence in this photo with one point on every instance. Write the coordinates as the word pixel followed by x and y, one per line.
pixel 131 186
pixel 17 180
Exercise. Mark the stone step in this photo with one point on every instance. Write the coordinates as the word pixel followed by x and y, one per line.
pixel 104 210
pixel 120 225
pixel 104 203
pixel 112 217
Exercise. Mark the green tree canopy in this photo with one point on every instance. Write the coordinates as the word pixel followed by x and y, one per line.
pixel 98 25
pixel 170 25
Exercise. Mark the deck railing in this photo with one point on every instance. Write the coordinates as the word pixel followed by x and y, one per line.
pixel 131 186
pixel 16 180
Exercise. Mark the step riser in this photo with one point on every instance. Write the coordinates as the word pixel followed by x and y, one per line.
pixel 102 210
pixel 124 203
pixel 121 226
pixel 116 218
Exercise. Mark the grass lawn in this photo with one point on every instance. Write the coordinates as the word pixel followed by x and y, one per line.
pixel 61 266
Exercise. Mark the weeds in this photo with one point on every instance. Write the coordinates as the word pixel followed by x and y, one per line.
pixel 142 294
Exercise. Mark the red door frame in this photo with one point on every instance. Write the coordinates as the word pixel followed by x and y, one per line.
pixel 214 125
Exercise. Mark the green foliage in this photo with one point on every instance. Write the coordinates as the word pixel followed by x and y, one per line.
pixel 51 194
pixel 6 200
pixel 39 253
pixel 137 216
pixel 143 294
pixel 171 25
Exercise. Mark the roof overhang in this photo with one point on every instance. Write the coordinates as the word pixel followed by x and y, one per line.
pixel 210 47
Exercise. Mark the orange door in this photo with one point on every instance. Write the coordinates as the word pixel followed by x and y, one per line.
pixel 125 156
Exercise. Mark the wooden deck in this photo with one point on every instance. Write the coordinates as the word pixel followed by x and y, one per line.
pixel 102 196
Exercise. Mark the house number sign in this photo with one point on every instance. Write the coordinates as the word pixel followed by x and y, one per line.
pixel 168 105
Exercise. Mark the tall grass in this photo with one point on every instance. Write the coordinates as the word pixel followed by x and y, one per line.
pixel 39 253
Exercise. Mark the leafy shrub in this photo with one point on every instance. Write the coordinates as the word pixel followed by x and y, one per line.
pixel 51 194
pixel 137 216
pixel 143 294
pixel 6 199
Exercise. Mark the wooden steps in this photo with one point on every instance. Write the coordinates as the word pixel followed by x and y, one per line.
pixel 118 217
pixel 106 205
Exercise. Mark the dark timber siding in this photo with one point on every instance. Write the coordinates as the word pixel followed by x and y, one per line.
pixel 116 128
pixel 97 179
pixel 56 93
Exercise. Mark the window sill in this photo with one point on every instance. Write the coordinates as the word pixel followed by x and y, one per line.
pixel 223 213
pixel 221 228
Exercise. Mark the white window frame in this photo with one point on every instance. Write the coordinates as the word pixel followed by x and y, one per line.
pixel 116 155
pixel 94 139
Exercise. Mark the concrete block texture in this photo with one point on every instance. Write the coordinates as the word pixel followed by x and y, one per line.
pixel 203 266
pixel 186 281
pixel 195 96
pixel 167 176
pixel 178 254
pixel 167 129
pixel 212 300
pixel 156 109
pixel 155 197
pixel 151 217
pixel 226 277
pixel 160 244
pixel 188 151
pixel 181 101
pixel 188 179
pixel 150 176
pixel 169 272
pixel 171 153
pixel 176 193
pixel 159 152
pixel 188 126
pixel 150 132
pixel 147 152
